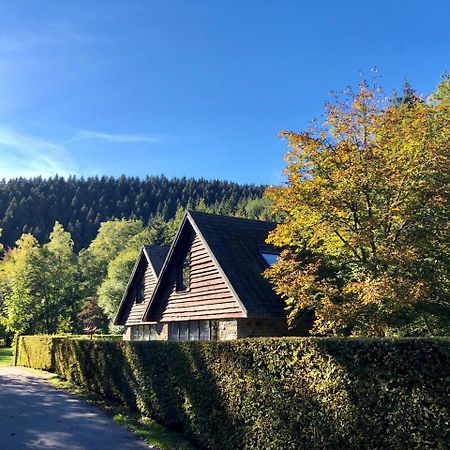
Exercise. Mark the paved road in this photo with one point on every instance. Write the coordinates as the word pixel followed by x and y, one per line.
pixel 35 415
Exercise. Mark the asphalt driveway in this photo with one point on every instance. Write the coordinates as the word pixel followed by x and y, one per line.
pixel 35 415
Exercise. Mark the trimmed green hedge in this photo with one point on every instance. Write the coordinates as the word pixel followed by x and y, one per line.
pixel 287 393
pixel 38 351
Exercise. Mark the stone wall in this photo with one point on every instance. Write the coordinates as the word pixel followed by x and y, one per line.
pixel 228 330
pixel 261 328
pixel 162 331
pixel 127 334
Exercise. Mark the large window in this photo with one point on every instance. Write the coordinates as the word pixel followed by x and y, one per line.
pixel 184 274
pixel 143 332
pixel 194 330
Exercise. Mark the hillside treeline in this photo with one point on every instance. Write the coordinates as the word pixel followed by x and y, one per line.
pixel 82 204
pixel 50 287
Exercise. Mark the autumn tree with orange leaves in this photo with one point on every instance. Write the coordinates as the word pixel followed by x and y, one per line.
pixel 365 229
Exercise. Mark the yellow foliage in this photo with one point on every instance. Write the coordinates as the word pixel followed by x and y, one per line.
pixel 366 199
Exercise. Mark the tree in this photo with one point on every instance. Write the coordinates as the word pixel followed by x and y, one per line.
pixel 5 335
pixel 173 225
pixel 111 289
pixel 258 208
pixel 112 237
pixel 40 285
pixel 92 315
pixel 59 283
pixel 366 220
pixel 80 205
pixel 20 272
pixel 442 93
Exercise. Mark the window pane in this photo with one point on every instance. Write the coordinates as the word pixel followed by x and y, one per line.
pixel 133 333
pixel 140 291
pixel 184 274
pixel 270 258
pixel 174 331
pixel 152 332
pixel 184 330
pixel 193 330
pixel 204 330
pixel 186 271
pixel 146 333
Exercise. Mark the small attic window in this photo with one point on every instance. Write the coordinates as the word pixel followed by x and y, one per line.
pixel 270 258
pixel 140 291
pixel 184 273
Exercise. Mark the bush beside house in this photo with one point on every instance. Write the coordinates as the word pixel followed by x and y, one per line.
pixel 283 393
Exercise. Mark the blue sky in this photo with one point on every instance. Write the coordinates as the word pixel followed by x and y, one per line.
pixel 193 88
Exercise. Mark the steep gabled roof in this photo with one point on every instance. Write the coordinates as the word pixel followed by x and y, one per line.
pixel 235 244
pixel 154 255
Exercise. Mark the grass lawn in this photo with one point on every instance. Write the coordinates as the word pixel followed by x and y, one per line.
pixel 5 356
pixel 145 428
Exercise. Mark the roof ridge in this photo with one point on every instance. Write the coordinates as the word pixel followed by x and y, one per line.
pixel 155 245
pixel 226 216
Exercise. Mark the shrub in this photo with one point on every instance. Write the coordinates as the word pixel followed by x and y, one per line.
pixel 281 393
pixel 35 351
pixel 38 351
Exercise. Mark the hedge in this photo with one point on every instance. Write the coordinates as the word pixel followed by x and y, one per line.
pixel 38 351
pixel 280 393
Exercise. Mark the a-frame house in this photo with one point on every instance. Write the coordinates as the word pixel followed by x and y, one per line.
pixel 139 291
pixel 211 284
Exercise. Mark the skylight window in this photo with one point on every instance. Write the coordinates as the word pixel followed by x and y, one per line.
pixel 270 258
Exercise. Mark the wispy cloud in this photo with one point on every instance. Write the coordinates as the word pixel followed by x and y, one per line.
pixel 23 43
pixel 115 138
pixel 23 155
pixel 57 34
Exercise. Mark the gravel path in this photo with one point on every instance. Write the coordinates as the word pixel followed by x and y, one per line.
pixel 35 415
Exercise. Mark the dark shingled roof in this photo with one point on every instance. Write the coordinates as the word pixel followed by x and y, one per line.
pixel 237 245
pixel 157 255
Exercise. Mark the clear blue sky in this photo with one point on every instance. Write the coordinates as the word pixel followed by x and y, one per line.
pixel 194 88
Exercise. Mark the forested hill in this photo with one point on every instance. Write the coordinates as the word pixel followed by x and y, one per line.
pixel 80 205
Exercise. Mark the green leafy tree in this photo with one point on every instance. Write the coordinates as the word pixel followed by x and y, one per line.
pixel 20 274
pixel 40 285
pixel 112 238
pixel 366 219
pixel 258 208
pixel 111 289
pixel 173 225
pixel 59 283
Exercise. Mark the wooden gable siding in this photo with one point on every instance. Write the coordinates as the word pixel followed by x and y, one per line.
pixel 137 309
pixel 208 296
